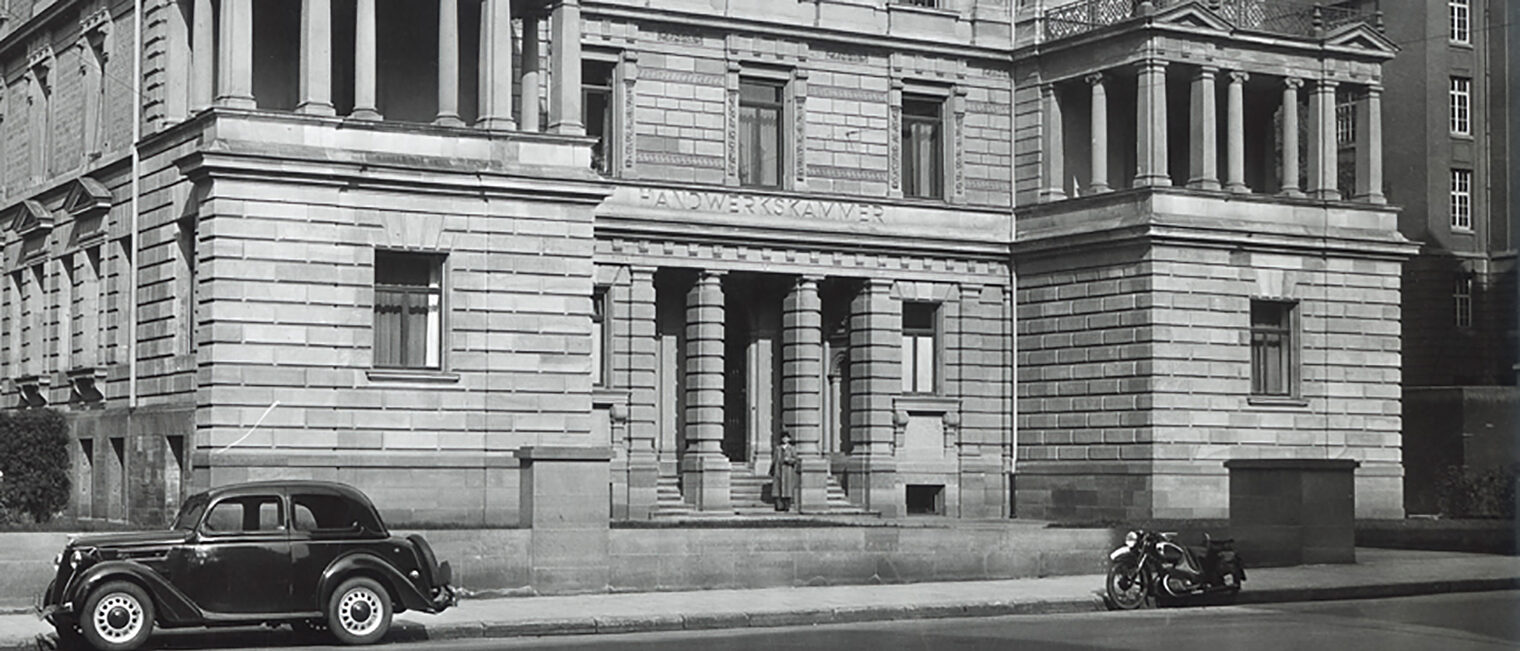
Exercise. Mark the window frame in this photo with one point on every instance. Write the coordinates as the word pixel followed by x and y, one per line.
pixel 1459 25
pixel 1287 356
pixel 439 262
pixel 282 526
pixel 912 349
pixel 1460 205
pixel 601 339
pixel 1459 100
pixel 937 191
pixel 782 87
pixel 608 141
pixel 1462 299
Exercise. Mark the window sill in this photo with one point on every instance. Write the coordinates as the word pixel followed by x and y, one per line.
pixel 412 375
pixel 1462 230
pixel 926 403
pixel 1277 401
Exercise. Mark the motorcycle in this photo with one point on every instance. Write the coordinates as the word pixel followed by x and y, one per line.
pixel 1153 565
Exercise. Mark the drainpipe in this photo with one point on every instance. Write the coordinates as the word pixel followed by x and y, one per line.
pixel 132 261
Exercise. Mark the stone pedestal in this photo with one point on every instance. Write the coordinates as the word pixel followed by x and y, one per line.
pixel 564 497
pixel 1293 511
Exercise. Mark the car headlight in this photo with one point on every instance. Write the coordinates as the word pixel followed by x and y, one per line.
pixel 57 560
pixel 75 559
pixel 1131 538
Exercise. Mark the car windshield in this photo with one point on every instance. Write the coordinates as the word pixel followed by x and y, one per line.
pixel 190 513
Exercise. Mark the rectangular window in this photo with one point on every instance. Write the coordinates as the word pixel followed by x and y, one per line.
pixel 596 108
pixel 922 147
pixel 599 348
pixel 1461 106
pixel 1461 199
pixel 1462 297
pixel 920 349
pixel 1273 349
pixel 408 310
pixel 1345 124
pixel 760 107
pixel 1461 21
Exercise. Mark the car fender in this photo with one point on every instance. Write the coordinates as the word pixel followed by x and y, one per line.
pixel 1120 554
pixel 172 606
pixel 365 564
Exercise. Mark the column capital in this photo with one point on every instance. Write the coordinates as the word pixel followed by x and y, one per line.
pixel 1374 89
pixel 1152 65
pixel 642 270
pixel 1325 85
pixel 1239 76
pixel 1205 71
pixel 1293 83
pixel 1094 79
pixel 809 279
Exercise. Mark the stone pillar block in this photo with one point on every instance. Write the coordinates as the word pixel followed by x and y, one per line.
pixel 704 468
pixel 564 497
pixel 1293 511
pixel 875 383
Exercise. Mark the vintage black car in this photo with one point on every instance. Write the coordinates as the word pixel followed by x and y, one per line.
pixel 308 553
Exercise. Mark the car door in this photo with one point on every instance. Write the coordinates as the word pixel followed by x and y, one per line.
pixel 238 562
pixel 323 527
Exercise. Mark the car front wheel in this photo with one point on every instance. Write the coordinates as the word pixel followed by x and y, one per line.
pixel 117 616
pixel 359 611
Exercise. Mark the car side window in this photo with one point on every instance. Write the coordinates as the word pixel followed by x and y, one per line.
pixel 325 513
pixel 245 514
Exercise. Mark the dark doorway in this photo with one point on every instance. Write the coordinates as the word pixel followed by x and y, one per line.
pixel 736 336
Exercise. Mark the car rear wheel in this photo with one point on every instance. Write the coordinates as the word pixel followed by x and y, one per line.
pixel 359 611
pixel 117 616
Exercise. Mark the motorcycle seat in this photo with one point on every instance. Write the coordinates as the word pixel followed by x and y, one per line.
pixel 1217 542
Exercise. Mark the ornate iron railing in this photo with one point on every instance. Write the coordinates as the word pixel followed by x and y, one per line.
pixel 1286 17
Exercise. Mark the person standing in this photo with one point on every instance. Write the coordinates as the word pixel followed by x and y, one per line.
pixel 784 473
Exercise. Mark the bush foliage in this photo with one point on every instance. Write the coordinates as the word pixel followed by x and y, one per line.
pixel 34 455
pixel 1478 493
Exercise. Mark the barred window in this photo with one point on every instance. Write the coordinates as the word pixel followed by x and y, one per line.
pixel 408 310
pixel 1461 199
pixel 1461 106
pixel 1274 348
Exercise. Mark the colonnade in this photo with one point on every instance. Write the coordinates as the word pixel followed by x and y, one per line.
pixel 222 66
pixel 1151 129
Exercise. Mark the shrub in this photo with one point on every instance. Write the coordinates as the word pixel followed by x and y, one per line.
pixel 1477 492
pixel 34 455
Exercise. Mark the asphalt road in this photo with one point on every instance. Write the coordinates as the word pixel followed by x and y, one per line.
pixel 1484 620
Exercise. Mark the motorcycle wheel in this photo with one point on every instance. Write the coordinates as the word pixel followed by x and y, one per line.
pixel 1127 587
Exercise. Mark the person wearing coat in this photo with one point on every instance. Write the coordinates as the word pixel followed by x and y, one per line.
pixel 785 473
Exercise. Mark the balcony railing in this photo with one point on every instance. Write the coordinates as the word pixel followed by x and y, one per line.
pixel 1284 17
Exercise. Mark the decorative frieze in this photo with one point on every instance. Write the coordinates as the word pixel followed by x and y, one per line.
pixel 851 94
pixel 682 77
pixel 846 173
pixel 680 160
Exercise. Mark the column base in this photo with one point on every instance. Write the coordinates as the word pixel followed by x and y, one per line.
pixel 448 120
pixel 1052 194
pixel 872 484
pixel 316 108
pixel 1153 181
pixel 1373 198
pixel 1099 189
pixel 568 128
pixel 705 481
pixel 1203 184
pixel 1237 188
pixel 368 114
pixel 1291 193
pixel 496 124
pixel 228 101
pixel 1326 195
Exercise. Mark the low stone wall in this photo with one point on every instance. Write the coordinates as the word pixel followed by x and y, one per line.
pixel 494 562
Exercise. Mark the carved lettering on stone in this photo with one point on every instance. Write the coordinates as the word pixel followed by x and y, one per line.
pixel 738 203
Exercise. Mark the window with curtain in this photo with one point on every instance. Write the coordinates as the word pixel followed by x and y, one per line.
pixel 920 349
pixel 408 310
pixel 922 147
pixel 1273 349
pixel 760 110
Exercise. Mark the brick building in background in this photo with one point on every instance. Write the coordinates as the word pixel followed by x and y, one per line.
pixel 423 236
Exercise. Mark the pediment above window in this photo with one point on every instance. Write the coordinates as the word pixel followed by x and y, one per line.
pixel 87 198
pixel 28 218
pixel 1194 16
pixel 1360 36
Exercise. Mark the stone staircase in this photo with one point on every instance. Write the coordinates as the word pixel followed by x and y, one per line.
pixel 747 493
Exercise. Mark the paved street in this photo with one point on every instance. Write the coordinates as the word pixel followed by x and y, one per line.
pixel 1483 620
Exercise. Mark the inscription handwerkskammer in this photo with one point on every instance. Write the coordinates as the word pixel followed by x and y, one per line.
pixel 759 204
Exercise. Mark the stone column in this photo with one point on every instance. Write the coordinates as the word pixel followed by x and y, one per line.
pixel 1369 147
pixel 1203 143
pixel 1054 145
pixel 1098 182
pixel 802 387
pixel 316 58
pixel 448 64
pixel 1236 134
pixel 202 56
pixel 496 65
pixel 235 56
pixel 643 404
pixel 704 468
pixel 1150 125
pixel 565 67
pixel 1290 137
pixel 365 107
pixel 875 383
pixel 531 74
pixel 1322 163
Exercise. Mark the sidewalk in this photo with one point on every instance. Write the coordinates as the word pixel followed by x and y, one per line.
pixel 1378 573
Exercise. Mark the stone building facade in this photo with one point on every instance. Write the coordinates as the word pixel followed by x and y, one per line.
pixel 425 236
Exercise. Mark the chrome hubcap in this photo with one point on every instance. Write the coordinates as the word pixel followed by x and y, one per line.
pixel 118 617
pixel 358 611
